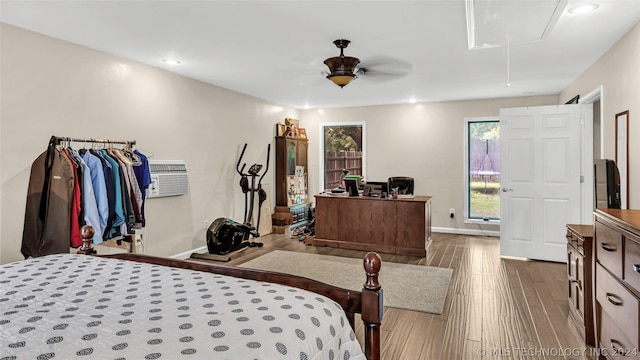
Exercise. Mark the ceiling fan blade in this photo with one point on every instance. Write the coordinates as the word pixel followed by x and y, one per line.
pixel 384 67
pixel 366 72
pixel 388 62
pixel 379 77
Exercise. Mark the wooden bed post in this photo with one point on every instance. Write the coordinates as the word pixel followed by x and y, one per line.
pixel 87 233
pixel 372 306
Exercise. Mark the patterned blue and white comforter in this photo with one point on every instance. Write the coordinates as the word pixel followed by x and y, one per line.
pixel 83 307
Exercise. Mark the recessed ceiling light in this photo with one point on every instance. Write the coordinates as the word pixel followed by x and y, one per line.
pixel 412 100
pixel 171 61
pixel 583 8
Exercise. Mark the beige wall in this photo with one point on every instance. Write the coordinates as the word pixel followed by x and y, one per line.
pixel 618 71
pixel 51 87
pixel 424 141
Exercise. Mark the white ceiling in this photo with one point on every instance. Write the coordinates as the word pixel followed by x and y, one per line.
pixel 274 50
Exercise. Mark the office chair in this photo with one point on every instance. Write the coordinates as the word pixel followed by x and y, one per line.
pixel 403 183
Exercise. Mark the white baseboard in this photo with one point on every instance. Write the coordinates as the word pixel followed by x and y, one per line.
pixel 187 254
pixel 466 231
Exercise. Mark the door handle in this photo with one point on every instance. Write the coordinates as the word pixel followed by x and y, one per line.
pixel 504 189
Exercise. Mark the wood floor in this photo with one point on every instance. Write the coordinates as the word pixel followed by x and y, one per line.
pixel 495 309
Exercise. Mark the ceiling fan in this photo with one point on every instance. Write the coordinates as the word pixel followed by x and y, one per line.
pixel 344 69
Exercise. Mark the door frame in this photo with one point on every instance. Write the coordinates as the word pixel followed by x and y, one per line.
pixel 587 153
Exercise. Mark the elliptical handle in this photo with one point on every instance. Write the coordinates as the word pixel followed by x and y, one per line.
pixel 267 165
pixel 240 160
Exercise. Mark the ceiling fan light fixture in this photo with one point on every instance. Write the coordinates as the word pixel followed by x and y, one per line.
pixel 342 68
pixel 341 80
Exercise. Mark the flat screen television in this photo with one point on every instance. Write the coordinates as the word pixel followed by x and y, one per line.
pixel 352 186
pixel 376 189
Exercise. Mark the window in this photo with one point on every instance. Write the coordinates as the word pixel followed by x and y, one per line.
pixel 482 169
pixel 342 149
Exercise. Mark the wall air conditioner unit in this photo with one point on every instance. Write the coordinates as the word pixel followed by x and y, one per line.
pixel 168 178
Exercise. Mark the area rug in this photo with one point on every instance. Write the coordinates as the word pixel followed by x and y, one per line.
pixel 411 287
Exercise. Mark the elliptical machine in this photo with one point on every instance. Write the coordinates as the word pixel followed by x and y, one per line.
pixel 226 235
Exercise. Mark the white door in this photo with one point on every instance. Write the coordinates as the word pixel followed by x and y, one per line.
pixel 540 155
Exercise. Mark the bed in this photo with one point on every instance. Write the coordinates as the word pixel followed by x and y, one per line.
pixel 132 306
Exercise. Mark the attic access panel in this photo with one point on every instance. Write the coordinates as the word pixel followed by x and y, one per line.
pixel 499 23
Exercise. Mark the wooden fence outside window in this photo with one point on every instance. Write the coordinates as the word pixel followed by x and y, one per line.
pixel 336 161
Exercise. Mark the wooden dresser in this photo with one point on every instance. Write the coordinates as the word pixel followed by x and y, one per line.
pixel 617 283
pixel 579 265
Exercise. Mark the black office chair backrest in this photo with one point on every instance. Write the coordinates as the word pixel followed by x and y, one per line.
pixel 403 183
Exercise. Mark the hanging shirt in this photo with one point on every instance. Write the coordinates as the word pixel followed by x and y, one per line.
pixel 111 192
pixel 76 204
pixel 134 189
pixel 119 217
pixel 91 215
pixel 129 199
pixel 99 186
pixel 143 174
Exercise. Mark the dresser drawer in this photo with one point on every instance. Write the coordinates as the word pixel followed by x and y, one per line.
pixel 575 239
pixel 609 248
pixel 632 261
pixel 618 303
pixel 613 343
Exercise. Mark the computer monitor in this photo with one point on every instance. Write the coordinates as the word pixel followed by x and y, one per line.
pixel 403 183
pixel 376 189
pixel 352 186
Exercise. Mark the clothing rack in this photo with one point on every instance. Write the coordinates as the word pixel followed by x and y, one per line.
pixel 128 245
pixel 61 140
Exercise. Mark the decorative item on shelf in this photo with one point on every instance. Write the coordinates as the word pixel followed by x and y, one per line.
pixel 280 129
pixel 297 187
pixel 291 127
pixel 302 133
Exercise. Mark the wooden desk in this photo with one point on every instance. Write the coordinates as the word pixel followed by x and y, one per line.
pixel 396 226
